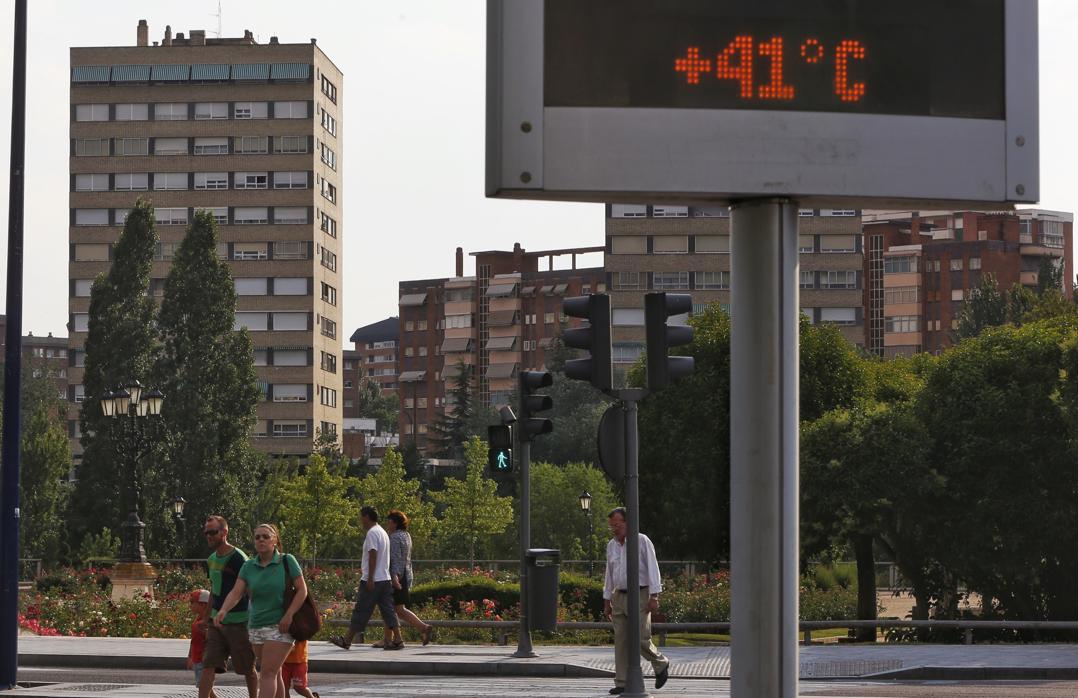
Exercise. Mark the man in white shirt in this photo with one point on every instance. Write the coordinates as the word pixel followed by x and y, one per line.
pixel 375 587
pixel 616 604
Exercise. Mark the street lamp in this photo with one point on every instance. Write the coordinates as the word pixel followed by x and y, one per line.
pixel 585 506
pixel 130 406
pixel 178 504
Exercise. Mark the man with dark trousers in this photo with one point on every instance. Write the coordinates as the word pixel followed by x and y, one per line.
pixel 375 585
pixel 231 638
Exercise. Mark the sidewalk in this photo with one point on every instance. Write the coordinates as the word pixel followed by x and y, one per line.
pixel 880 661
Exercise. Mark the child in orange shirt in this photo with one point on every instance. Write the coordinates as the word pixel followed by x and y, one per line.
pixel 294 671
pixel 199 601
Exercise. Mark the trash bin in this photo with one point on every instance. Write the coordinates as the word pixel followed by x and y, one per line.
pixel 542 566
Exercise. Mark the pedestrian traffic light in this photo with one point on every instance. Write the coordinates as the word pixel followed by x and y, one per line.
pixel 530 426
pixel 660 337
pixel 500 448
pixel 597 368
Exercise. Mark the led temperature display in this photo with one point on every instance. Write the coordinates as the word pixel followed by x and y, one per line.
pixel 916 57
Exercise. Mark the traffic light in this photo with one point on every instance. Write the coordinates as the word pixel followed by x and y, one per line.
pixel 530 426
pixel 597 368
pixel 657 308
pixel 500 448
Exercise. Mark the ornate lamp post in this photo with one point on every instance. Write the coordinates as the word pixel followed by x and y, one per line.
pixel 178 504
pixel 133 409
pixel 585 506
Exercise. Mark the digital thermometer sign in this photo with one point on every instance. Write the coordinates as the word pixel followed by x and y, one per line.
pixel 923 57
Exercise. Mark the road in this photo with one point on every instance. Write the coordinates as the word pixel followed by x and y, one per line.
pixel 355 685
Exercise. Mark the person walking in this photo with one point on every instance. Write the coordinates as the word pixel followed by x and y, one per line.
pixel 400 572
pixel 198 600
pixel 375 588
pixel 616 589
pixel 264 578
pixel 229 638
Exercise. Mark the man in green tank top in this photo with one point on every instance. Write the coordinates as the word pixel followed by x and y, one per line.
pixel 231 638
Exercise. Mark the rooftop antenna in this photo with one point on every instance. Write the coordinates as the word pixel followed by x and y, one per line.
pixel 218 16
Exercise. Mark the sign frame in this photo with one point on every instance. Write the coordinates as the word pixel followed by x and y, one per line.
pixel 647 155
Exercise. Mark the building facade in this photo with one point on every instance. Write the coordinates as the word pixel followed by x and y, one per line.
pixel 253 133
pixel 374 360
pixel 920 267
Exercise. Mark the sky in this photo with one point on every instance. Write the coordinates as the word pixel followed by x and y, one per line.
pixel 414 73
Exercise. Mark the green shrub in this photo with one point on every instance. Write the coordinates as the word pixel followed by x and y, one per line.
pixel 582 594
pixel 454 592
pixel 56 584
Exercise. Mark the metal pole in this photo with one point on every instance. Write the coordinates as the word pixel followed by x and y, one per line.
pixel 763 450
pixel 591 542
pixel 524 637
pixel 634 681
pixel 9 482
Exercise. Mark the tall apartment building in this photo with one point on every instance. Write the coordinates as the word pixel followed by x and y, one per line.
pixel 920 267
pixel 496 323
pixel 686 249
pixel 373 359
pixel 252 132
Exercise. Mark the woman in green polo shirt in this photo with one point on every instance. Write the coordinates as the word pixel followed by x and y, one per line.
pixel 262 578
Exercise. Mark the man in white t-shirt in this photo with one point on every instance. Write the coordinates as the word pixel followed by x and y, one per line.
pixel 375 587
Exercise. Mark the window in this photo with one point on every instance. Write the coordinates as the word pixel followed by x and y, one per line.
pixel 252 145
pixel 956 264
pixel 670 211
pixel 845 212
pixel 328 225
pixel 290 321
pixel 628 244
pixel 249 251
pixel 1052 234
pixel 92 182
pixel 250 110
pixel 164 181
pixel 289 392
pixel 670 244
pixel 974 263
pixel 808 279
pixel 250 215
pixel 329 260
pixel 82 287
pixel 1025 232
pixel 170 146
pixel 131 146
pixel 627 317
pixel 211 110
pixel 289 286
pixel 260 428
pixel 421 325
pixel 328 328
pixel 290 180
pixel 899 265
pixel 328 122
pixel 120 215
pixel 91 112
pixel 902 294
pixel 251 180
pixel 329 294
pixel 290 110
pixel 170 111
pixel 286 429
pixel 165 251
pixel 458 321
pixel 329 362
pixel 838 279
pixel 290 249
pixel 329 89
pixel 290 215
pixel 220 216
pixel 170 216
pixel 328 396
pixel 839 316
pixel 252 321
pixel 328 156
pixel 217 145
pixel 91 146
pixel 136 181
pixel 91 216
pixel 957 294
pixel 712 280
pixel 712 244
pixel 290 144
pixel 91 253
pixel 670 280
pixel 329 191
pixel 290 357
pixel 806 244
pixel 628 211
pixel 211 180
pixel 251 287
pixel 626 353
pixel 901 323
pixel 132 112
pixel 838 243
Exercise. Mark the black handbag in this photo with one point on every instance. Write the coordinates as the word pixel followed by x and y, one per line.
pixel 307 621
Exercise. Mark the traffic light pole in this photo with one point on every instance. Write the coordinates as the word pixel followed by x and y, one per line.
pixel 763 450
pixel 524 636
pixel 634 681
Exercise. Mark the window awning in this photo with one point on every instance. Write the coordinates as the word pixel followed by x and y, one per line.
pixel 546 290
pixel 170 73
pixel 502 318
pixel 130 73
pixel 559 289
pixel 412 376
pixel 250 71
pixel 90 73
pixel 456 344
pixel 501 343
pixel 207 72
pixel 410 299
pixel 501 289
pixel 527 290
pixel 501 370
pixel 290 71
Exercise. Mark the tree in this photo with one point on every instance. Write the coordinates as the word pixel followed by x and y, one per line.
pixel 206 371
pixel 390 488
pixel 578 407
pixel 327 445
pixel 557 520
pixel 384 409
pixel 121 345
pixel 1049 275
pixel 318 517
pixel 472 507
pixel 451 426
pixel 985 307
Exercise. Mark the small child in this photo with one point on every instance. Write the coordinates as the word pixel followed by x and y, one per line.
pixel 294 671
pixel 199 601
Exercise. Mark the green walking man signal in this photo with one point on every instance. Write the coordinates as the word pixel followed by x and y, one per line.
pixel 500 448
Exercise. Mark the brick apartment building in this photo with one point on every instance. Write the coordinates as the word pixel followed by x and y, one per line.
pixel 374 359
pixel 252 132
pixel 496 323
pixel 921 266
pixel 41 356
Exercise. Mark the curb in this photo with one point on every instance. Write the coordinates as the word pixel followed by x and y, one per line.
pixel 977 673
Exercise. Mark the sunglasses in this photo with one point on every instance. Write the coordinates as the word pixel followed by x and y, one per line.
pixel 212 531
pixel 263 536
